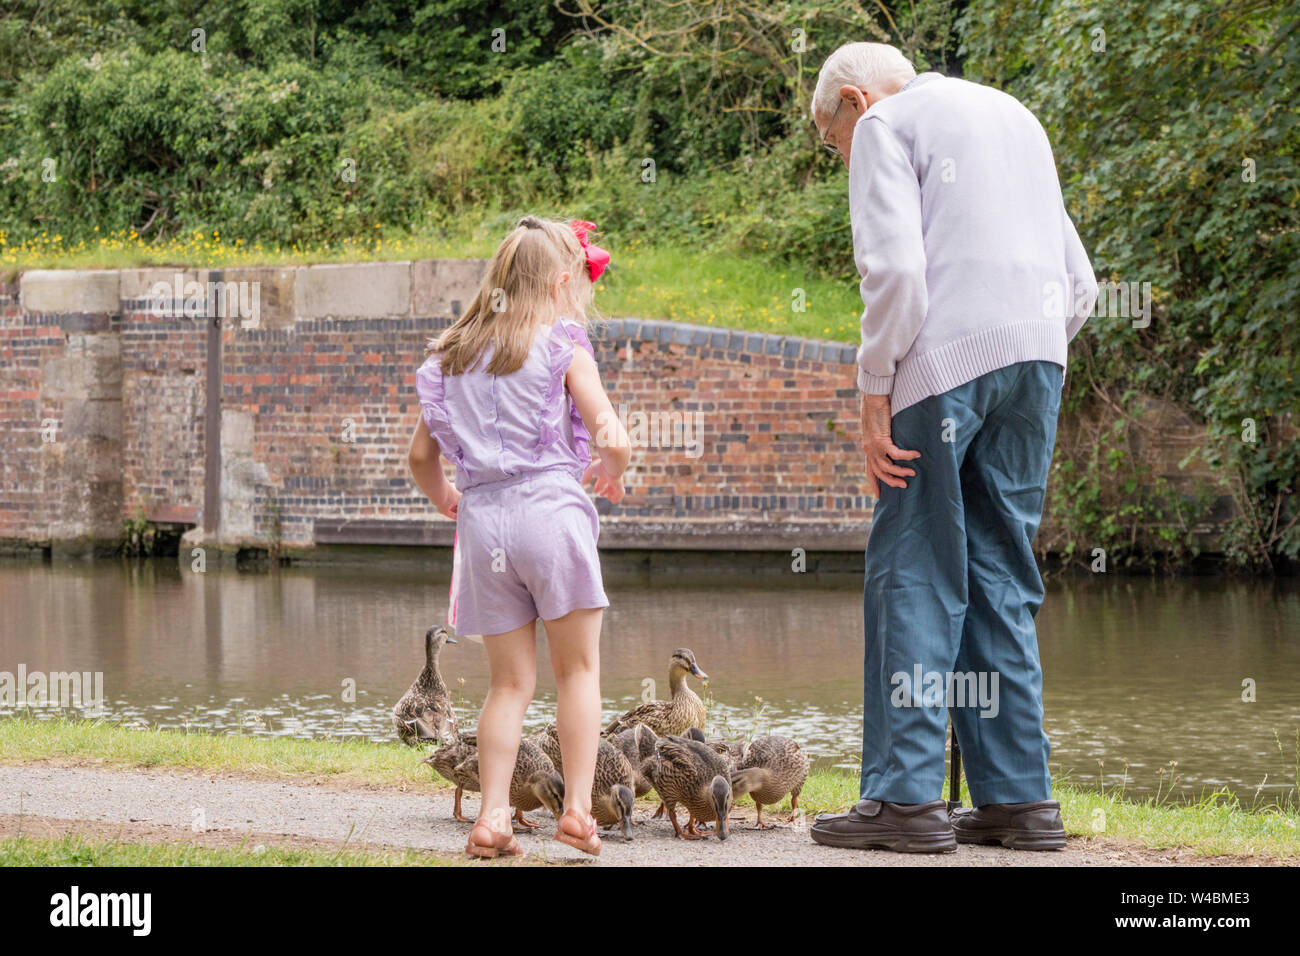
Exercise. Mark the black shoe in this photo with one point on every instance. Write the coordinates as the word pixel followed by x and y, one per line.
pixel 1018 826
pixel 902 827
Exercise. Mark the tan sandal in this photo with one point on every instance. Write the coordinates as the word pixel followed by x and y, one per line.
pixel 501 844
pixel 590 843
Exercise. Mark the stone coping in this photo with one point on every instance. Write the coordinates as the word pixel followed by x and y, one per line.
pixel 620 534
pixel 88 300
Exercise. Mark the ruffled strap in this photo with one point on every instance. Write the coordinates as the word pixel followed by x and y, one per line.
pixel 430 388
pixel 561 357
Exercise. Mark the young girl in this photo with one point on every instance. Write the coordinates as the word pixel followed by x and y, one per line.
pixel 511 394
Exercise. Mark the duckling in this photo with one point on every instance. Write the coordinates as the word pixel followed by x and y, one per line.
pixel 770 768
pixel 637 744
pixel 612 798
pixel 689 772
pixel 425 711
pixel 451 762
pixel 673 716
pixel 523 798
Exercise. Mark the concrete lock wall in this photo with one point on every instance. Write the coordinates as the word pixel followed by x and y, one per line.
pixel 272 407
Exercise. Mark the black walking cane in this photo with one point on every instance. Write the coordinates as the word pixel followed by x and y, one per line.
pixel 954 785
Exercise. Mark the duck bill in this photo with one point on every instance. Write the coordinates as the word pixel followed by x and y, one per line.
pixel 452 640
pixel 723 831
pixel 695 670
pixel 626 826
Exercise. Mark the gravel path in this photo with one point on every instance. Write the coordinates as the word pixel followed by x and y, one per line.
pixel 171 802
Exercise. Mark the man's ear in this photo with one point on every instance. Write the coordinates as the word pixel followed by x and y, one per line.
pixel 858 99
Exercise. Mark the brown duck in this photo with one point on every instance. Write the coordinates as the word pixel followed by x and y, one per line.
pixel 769 768
pixel 691 773
pixel 451 762
pixel 637 744
pixel 682 710
pixel 458 763
pixel 612 797
pixel 424 711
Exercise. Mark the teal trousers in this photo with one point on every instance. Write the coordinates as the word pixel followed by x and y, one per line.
pixel 951 591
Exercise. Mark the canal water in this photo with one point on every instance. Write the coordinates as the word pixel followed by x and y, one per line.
pixel 1144 679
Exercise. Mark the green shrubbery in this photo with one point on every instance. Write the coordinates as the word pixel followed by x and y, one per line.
pixel 1176 133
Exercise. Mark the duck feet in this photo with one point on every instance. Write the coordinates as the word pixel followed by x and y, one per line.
pixel 455 810
pixel 521 822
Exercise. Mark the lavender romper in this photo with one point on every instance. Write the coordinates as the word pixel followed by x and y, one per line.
pixel 526 526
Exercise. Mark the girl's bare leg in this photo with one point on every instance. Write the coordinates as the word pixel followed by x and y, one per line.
pixel 575 657
pixel 512 662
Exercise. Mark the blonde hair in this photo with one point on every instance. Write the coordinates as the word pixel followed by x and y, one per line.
pixel 515 298
pixel 864 65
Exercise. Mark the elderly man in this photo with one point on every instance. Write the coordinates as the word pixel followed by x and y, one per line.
pixel 973 282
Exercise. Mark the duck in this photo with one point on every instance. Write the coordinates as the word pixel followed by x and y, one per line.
pixel 529 761
pixel 548 739
pixel 424 711
pixel 451 761
pixel 682 710
pixel 769 768
pixel 637 744
pixel 612 794
pixel 458 762
pixel 691 773
pixel 730 750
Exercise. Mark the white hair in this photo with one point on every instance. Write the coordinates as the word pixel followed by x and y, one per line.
pixel 865 65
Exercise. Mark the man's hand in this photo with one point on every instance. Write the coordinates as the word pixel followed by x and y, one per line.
pixel 879 447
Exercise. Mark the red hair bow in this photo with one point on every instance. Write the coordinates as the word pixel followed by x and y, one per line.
pixel 597 258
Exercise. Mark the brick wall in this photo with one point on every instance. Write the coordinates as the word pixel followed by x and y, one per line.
pixel 163 395
pixel 27 343
pixel 290 429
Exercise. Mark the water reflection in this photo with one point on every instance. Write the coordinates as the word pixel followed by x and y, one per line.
pixel 1138 672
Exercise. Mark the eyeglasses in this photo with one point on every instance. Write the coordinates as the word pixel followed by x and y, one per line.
pixel 833 150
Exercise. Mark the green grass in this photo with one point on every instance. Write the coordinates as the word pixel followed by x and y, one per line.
pixel 659 282
pixel 728 291
pixel 74 850
pixel 106 743
pixel 1218 824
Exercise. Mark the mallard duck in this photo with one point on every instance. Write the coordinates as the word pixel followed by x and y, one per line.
pixel 425 711
pixel 637 744
pixel 451 762
pixel 770 768
pixel 688 772
pixel 529 760
pixel 732 751
pixel 612 797
pixel 682 710
pixel 548 739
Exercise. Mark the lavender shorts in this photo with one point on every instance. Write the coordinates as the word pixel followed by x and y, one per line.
pixel 527 550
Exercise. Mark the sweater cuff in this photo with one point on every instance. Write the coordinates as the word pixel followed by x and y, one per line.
pixel 875 384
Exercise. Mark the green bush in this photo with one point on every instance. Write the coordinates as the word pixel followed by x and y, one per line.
pixel 1177 137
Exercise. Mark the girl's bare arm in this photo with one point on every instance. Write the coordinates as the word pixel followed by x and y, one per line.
pixel 612 447
pixel 425 460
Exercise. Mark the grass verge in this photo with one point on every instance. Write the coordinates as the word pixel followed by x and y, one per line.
pixel 76 850
pixel 1216 825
